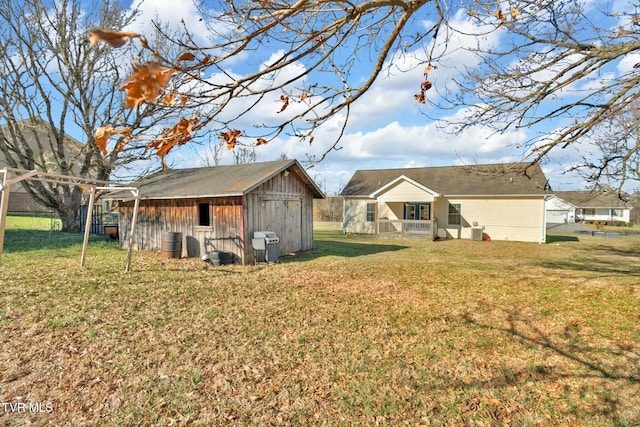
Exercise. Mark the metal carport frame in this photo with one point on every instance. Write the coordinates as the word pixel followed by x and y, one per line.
pixel 94 188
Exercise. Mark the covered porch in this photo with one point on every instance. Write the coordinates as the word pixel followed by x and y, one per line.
pixel 407 228
pixel 405 208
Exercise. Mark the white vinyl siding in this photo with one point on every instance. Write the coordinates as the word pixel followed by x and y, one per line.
pixel 505 218
pixel 355 215
pixel 404 190
pixel 604 214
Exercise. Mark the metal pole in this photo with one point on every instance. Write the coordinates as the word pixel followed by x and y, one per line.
pixel 136 204
pixel 4 207
pixel 87 227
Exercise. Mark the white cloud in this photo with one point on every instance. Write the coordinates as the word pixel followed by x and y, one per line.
pixel 386 129
pixel 175 13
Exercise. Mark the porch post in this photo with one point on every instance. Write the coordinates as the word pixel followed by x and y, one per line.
pixel 377 223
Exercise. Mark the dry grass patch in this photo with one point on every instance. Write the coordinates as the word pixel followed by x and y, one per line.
pixel 360 331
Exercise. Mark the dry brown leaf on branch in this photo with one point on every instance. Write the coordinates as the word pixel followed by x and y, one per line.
pixel 101 136
pixel 187 56
pixel 424 86
pixel 146 83
pixel 285 100
pixel 103 133
pixel 183 130
pixel 230 137
pixel 515 12
pixel 500 15
pixel 179 134
pixel 168 100
pixel 114 39
pixel 261 141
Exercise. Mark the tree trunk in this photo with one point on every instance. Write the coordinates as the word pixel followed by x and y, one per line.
pixel 70 219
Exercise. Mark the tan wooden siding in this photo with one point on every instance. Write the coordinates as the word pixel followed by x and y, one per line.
pixel 508 218
pixel 284 205
pixel 156 217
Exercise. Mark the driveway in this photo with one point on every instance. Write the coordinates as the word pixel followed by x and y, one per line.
pixel 568 228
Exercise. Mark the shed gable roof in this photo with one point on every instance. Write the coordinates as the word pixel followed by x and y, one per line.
pixel 496 179
pixel 218 181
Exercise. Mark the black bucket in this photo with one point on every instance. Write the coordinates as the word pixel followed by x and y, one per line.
pixel 171 245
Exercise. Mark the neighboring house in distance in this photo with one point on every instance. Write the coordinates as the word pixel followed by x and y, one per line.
pixel 219 208
pixel 39 142
pixel 497 202
pixel 576 206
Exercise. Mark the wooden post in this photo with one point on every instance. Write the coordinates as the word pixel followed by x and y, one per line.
pixel 134 219
pixel 4 207
pixel 87 227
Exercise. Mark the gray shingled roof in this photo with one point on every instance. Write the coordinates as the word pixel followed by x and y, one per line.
pixel 217 181
pixel 588 199
pixel 498 179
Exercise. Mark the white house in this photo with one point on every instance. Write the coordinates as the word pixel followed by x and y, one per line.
pixel 576 206
pixel 497 202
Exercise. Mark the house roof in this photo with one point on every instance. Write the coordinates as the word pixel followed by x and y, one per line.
pixel 470 180
pixel 40 139
pixel 217 181
pixel 589 199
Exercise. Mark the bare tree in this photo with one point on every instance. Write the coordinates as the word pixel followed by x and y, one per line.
pixel 244 155
pixel 53 83
pixel 615 154
pixel 310 77
pixel 566 69
pixel 550 67
pixel 211 155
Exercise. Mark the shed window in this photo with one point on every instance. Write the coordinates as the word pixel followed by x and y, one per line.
pixel 204 216
pixel 455 214
pixel 371 212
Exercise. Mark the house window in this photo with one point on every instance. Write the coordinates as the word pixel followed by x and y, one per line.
pixel 588 211
pixel 424 212
pixel 371 212
pixel 409 211
pixel 413 211
pixel 455 214
pixel 204 216
pixel 616 212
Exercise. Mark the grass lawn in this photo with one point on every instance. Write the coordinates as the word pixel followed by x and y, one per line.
pixel 33 222
pixel 361 331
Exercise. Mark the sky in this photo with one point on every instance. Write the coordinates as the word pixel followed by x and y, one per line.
pixel 387 128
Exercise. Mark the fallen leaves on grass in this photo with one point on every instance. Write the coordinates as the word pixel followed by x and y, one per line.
pixel 373 336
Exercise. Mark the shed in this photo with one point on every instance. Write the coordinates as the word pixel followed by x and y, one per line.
pixel 219 208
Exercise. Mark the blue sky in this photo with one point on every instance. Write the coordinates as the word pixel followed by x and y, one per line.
pixel 387 128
